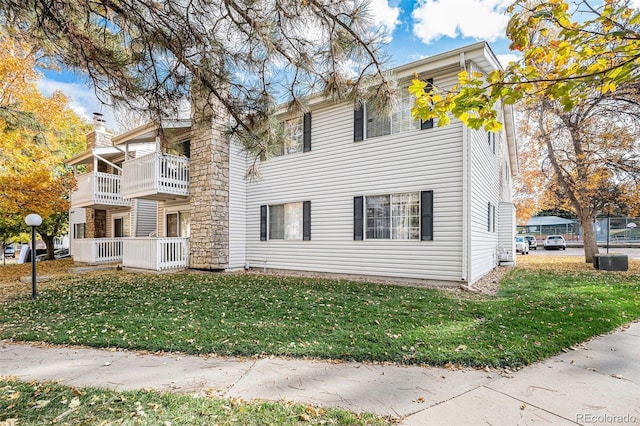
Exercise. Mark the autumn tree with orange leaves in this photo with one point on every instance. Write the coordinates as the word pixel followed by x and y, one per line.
pixel 36 134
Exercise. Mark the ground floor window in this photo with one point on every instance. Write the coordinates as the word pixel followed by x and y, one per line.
pixel 79 230
pixel 491 217
pixel 288 221
pixel 394 216
pixel 285 221
pixel 121 226
pixel 178 224
pixel 399 216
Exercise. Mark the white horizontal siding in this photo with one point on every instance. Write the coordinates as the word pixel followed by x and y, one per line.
pixel 485 188
pixel 506 230
pixel 237 206
pixel 336 170
pixel 76 215
pixel 146 218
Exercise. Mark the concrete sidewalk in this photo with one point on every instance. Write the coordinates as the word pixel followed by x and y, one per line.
pixel 597 384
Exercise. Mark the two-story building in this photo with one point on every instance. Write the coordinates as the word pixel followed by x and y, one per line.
pixel 351 192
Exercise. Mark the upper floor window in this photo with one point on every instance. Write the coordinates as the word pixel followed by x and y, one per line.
pixel 297 136
pixel 180 148
pixel 369 124
pixel 491 137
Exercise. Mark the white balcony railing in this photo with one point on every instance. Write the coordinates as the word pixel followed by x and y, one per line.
pixel 97 250
pixel 97 189
pixel 156 176
pixel 156 253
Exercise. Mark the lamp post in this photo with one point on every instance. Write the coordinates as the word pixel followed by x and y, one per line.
pixel 33 220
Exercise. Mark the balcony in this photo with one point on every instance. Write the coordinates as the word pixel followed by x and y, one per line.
pixel 156 176
pixel 156 254
pixel 99 190
pixel 95 251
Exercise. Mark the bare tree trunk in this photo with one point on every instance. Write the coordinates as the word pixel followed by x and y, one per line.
pixel 48 242
pixel 589 238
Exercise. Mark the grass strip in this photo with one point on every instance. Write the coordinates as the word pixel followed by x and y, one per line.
pixel 32 403
pixel 537 313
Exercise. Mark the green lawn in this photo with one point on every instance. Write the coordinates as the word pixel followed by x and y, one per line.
pixel 536 314
pixel 46 403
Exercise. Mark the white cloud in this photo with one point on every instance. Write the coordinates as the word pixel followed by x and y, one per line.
pixel 384 15
pixel 635 4
pixel 480 19
pixel 82 99
pixel 506 58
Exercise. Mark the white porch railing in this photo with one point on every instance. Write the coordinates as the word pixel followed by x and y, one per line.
pixel 97 250
pixel 156 253
pixel 98 189
pixel 156 175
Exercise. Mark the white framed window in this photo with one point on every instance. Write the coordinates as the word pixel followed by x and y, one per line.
pixel 178 224
pixel 79 230
pixel 393 216
pixel 121 226
pixel 491 217
pixel 285 221
pixel 400 120
pixel 491 138
pixel 293 141
pixel 368 124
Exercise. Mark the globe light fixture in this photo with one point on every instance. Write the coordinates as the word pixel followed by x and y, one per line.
pixel 33 220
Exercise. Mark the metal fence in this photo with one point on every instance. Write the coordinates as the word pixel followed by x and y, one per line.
pixel 621 229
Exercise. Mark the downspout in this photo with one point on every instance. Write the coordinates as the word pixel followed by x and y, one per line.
pixel 466 205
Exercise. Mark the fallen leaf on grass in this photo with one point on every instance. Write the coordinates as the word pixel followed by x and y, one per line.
pixel 75 403
pixel 42 403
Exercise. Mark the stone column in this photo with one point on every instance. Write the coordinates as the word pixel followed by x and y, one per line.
pixel 209 239
pixel 96 220
pixel 95 223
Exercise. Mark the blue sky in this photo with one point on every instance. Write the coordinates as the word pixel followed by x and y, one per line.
pixel 417 28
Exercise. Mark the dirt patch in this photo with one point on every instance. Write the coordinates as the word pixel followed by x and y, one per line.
pixel 490 283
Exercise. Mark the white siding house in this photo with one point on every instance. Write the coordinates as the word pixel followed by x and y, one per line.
pixel 352 193
pixel 346 178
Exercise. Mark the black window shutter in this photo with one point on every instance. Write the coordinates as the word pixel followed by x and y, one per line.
pixel 306 135
pixel 358 124
pixel 489 217
pixel 306 220
pixel 429 123
pixel 358 218
pixel 493 218
pixel 426 215
pixel 263 223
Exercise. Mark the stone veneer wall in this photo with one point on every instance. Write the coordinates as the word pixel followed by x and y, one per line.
pixel 96 220
pixel 209 171
pixel 95 223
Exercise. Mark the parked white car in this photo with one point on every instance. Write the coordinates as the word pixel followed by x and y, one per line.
pixel 555 242
pixel 522 245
